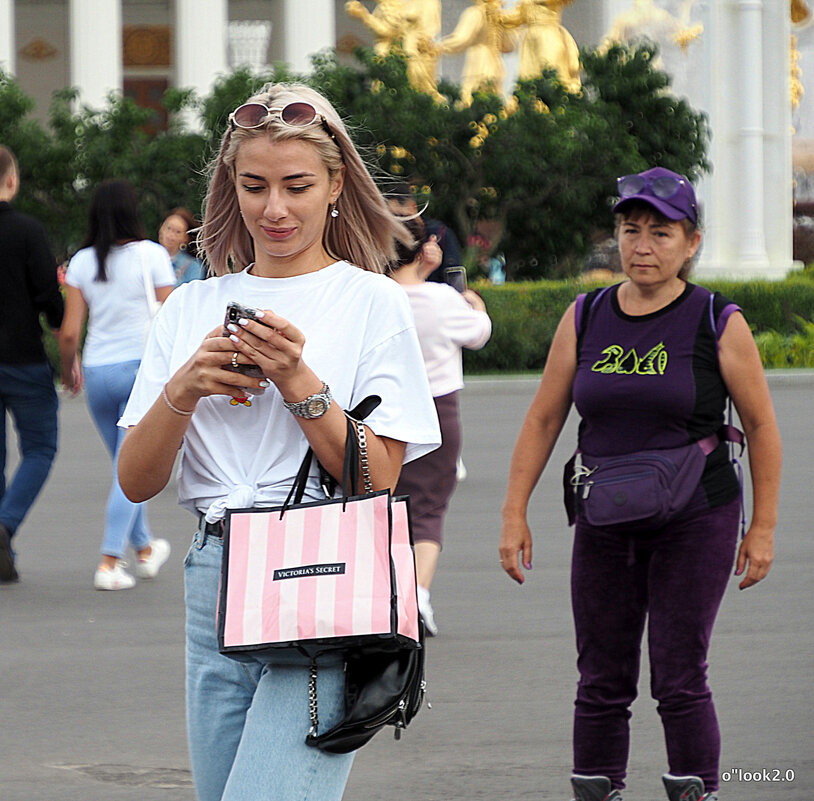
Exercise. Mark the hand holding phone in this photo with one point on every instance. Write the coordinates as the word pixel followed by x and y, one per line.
pixel 235 312
pixel 456 278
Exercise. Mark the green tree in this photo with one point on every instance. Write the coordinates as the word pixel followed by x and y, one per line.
pixel 60 166
pixel 541 171
pixel 667 131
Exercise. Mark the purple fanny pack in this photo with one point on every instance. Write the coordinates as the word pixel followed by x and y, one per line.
pixel 647 487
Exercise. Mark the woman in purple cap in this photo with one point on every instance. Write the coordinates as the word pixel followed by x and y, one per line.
pixel 650 364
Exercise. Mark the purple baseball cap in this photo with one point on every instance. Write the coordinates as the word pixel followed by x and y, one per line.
pixel 668 192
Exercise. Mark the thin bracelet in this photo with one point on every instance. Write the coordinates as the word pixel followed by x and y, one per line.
pixel 174 408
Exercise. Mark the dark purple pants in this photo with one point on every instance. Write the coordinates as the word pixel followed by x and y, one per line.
pixel 674 578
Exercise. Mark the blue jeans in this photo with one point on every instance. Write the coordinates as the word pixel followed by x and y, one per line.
pixel 108 387
pixel 247 720
pixel 27 393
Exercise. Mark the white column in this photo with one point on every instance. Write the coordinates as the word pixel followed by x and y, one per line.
pixel 201 42
pixel 778 172
pixel 747 197
pixel 307 29
pixel 751 133
pixel 7 44
pixel 96 49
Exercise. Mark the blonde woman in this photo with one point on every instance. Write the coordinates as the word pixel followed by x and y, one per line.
pixel 295 228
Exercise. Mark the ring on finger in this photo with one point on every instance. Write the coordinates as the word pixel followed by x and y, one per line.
pixel 234 359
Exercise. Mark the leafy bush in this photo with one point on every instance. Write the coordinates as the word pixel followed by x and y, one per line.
pixel 525 316
pixel 782 351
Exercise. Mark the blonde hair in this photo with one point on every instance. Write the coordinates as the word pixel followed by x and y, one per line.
pixel 364 233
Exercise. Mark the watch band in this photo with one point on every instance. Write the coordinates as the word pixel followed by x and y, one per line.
pixel 312 407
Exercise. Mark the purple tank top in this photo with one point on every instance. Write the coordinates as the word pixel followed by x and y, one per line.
pixel 649 381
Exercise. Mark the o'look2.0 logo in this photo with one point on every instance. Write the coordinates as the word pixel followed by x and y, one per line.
pixel 760 775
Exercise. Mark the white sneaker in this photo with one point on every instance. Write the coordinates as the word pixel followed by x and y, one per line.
pixel 426 611
pixel 116 578
pixel 148 568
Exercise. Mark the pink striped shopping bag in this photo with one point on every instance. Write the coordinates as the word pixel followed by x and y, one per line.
pixel 320 575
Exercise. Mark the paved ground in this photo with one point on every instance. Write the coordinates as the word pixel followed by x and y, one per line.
pixel 91 684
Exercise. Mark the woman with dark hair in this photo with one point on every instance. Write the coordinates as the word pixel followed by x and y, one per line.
pixel 175 234
pixel 446 321
pixel 116 281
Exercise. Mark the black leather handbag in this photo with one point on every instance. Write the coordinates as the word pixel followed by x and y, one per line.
pixel 382 688
pixel 384 683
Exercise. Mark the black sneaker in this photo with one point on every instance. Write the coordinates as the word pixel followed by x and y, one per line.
pixel 593 788
pixel 686 788
pixel 8 573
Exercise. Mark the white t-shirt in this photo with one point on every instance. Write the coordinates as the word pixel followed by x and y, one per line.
pixel 118 311
pixel 359 339
pixel 446 323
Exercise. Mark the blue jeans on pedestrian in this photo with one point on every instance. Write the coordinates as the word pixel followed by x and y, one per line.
pixel 247 720
pixel 673 579
pixel 108 387
pixel 27 393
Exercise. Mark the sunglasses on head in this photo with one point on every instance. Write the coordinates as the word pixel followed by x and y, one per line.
pixel 664 187
pixel 296 115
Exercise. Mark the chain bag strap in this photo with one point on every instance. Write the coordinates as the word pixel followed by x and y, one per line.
pixel 355 456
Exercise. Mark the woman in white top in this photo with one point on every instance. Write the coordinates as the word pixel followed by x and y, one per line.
pixel 296 229
pixel 115 280
pixel 446 321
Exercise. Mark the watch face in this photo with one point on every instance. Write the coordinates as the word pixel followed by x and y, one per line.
pixel 316 407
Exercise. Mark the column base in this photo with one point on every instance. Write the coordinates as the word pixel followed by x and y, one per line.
pixel 745 270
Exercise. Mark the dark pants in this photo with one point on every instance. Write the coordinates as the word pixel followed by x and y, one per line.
pixel 431 479
pixel 27 393
pixel 673 578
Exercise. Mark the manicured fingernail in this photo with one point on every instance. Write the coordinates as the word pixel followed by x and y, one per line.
pixel 234 338
pixel 259 314
pixel 265 383
pixel 232 327
pixel 243 321
pixel 528 565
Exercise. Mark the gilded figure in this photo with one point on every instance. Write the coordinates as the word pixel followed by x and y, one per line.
pixel 645 20
pixel 409 27
pixel 546 43
pixel 483 34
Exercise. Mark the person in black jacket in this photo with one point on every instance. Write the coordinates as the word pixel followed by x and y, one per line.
pixel 28 287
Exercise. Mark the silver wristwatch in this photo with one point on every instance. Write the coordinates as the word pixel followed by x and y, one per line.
pixel 314 406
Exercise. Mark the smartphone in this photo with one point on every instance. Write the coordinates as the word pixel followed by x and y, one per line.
pixel 456 278
pixel 236 311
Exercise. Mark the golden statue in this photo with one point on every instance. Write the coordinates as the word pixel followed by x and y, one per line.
pixel 800 12
pixel 422 23
pixel 546 42
pixel 645 21
pixel 408 27
pixel 800 17
pixel 482 33
pixel 385 22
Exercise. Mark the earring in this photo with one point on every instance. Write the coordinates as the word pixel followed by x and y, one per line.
pixel 334 211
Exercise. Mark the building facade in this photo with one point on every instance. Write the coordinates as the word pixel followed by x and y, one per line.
pixel 737 72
